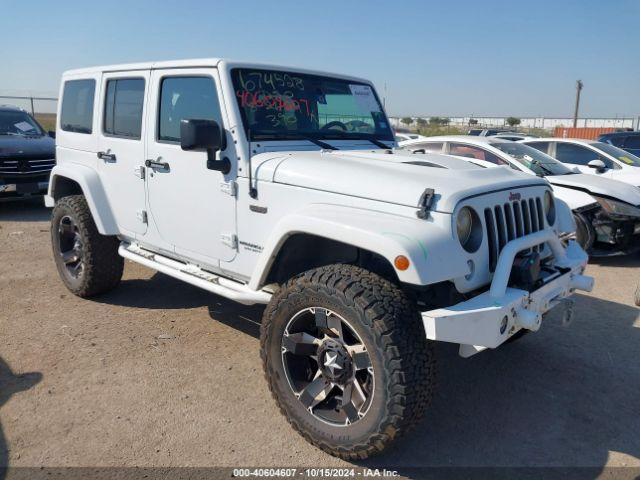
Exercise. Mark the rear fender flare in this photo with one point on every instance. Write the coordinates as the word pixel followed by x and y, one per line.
pixel 93 191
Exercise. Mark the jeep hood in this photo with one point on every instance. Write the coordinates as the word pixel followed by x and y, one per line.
pixel 602 186
pixel 399 177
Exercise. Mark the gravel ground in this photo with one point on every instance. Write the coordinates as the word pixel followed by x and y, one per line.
pixel 159 373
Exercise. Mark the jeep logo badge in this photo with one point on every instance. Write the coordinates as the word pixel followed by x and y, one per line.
pixel 513 196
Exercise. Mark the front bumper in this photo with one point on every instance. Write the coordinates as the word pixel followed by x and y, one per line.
pixel 20 189
pixel 489 319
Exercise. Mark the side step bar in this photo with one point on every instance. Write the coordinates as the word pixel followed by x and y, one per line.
pixel 195 276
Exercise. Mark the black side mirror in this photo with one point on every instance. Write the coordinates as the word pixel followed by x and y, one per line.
pixel 52 133
pixel 205 135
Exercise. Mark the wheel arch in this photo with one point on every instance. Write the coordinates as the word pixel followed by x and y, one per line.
pixel 292 259
pixel 379 235
pixel 82 180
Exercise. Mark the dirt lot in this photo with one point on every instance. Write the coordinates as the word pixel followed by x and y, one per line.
pixel 159 373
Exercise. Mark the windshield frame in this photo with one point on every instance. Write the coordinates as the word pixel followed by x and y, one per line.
pixel 610 149
pixel 40 131
pixel 329 134
pixel 536 166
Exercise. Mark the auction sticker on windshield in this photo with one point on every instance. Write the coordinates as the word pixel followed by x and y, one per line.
pixel 365 98
pixel 24 126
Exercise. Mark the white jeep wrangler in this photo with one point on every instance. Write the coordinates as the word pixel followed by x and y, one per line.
pixel 281 187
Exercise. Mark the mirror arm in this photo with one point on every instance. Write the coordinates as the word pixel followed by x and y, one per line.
pixel 223 165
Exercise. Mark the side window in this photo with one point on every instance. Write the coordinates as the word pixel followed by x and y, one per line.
pixel 435 147
pixel 632 142
pixel 76 114
pixel 123 107
pixel 542 146
pixel 186 97
pixel 471 151
pixel 575 154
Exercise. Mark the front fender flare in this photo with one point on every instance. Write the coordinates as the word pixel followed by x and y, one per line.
pixel 383 233
pixel 93 191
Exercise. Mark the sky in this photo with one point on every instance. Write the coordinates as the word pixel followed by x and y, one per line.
pixel 451 58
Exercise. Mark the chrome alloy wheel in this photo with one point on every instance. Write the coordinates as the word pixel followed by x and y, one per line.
pixel 70 246
pixel 327 366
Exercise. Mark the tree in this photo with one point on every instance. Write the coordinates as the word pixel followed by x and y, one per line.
pixel 513 121
pixel 407 120
pixel 439 121
pixel 421 122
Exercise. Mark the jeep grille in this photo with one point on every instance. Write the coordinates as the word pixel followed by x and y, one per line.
pixel 512 220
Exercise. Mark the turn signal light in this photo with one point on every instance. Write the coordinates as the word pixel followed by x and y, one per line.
pixel 401 262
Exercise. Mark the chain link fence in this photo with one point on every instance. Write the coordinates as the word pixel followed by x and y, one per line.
pixel 42 108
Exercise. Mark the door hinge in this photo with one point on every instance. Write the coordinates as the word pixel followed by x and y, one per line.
pixel 229 188
pixel 230 240
pixel 142 215
pixel 139 171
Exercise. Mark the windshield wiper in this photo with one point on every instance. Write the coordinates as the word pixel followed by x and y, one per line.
pixel 320 143
pixel 541 165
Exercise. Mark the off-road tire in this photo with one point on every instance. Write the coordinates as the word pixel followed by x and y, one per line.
pixel 389 325
pixel 102 266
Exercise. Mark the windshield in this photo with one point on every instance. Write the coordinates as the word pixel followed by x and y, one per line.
pixel 18 123
pixel 618 153
pixel 277 105
pixel 540 163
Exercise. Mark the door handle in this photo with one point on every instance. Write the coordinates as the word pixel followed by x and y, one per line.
pixel 156 164
pixel 107 157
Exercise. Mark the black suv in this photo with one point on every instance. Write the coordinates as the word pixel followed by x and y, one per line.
pixel 27 154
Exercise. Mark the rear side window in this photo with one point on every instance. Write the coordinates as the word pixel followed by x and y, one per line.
pixel 123 107
pixel 77 106
pixel 542 146
pixel 186 97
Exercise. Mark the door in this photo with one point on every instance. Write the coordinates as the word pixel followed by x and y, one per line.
pixel 192 207
pixel 121 147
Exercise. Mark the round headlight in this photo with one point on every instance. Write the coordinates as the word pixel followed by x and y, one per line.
pixel 464 222
pixel 549 208
pixel 469 229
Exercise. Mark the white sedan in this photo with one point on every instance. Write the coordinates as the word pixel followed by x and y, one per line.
pixel 607 211
pixel 592 157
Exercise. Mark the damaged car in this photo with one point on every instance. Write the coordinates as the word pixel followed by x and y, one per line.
pixel 606 211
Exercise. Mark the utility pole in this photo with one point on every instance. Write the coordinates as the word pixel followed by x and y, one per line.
pixel 579 86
